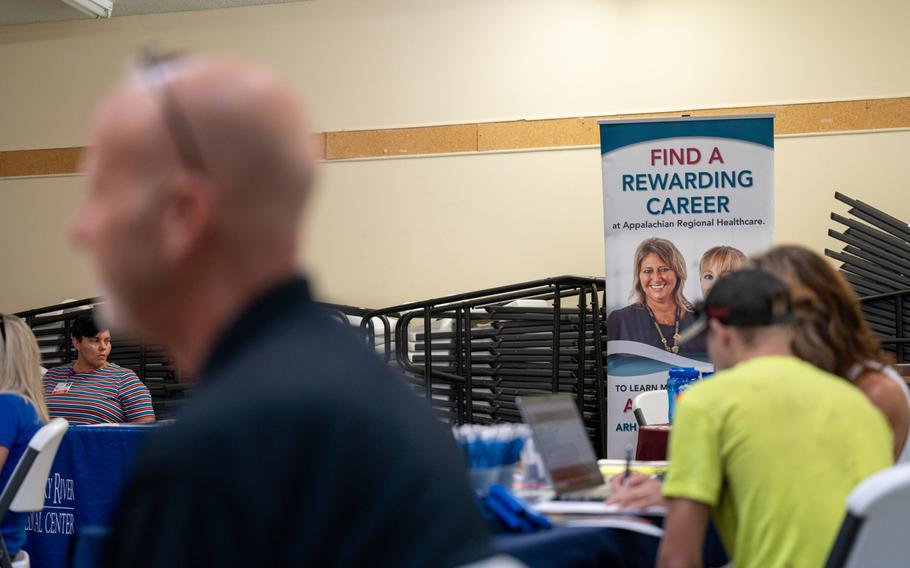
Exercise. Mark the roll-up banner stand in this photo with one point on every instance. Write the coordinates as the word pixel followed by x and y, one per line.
pixel 685 200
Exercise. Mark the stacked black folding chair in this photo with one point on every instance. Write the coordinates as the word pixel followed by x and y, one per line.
pixel 876 261
pixel 380 328
pixel 471 355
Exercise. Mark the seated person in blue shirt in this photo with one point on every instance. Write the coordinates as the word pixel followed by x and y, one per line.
pixel 22 411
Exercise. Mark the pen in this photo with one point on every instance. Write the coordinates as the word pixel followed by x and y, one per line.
pixel 625 476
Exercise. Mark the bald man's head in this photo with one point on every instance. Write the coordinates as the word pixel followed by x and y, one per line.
pixel 194 164
pixel 248 134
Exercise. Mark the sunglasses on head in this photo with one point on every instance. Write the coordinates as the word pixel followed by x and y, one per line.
pixel 154 68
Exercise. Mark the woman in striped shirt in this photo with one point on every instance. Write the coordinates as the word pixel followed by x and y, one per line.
pixel 92 390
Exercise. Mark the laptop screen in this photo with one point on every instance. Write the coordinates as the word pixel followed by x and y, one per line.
pixel 562 442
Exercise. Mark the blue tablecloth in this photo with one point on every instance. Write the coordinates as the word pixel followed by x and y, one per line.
pixel 564 547
pixel 84 483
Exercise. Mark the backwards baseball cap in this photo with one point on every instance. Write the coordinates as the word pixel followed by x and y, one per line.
pixel 744 298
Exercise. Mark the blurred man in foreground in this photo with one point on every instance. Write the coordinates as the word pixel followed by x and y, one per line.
pixel 765 446
pixel 302 448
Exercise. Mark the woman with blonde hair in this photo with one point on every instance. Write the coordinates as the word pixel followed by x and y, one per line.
pixel 716 262
pixel 832 334
pixel 22 411
pixel 660 311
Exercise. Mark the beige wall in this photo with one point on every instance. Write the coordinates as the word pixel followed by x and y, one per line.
pixel 378 63
pixel 455 224
pixel 37 265
pixel 385 231
pixel 388 231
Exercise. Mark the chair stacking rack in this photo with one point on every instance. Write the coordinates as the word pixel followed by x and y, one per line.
pixel 471 355
pixel 51 326
pixel 875 260
pixel 380 327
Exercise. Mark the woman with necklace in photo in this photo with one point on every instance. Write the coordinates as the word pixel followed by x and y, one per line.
pixel 660 311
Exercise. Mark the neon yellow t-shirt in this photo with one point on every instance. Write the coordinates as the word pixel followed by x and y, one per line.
pixel 774 446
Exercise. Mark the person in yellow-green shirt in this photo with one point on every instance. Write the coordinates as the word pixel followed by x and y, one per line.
pixel 771 446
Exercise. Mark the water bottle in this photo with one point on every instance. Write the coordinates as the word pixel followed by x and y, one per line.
pixel 681 378
pixel 672 382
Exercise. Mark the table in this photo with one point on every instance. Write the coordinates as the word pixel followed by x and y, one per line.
pixel 564 547
pixel 652 442
pixel 94 461
pixel 84 483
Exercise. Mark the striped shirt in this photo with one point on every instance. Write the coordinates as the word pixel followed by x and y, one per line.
pixel 110 394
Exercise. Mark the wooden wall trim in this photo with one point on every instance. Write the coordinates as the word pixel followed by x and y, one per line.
pixel 804 118
pixel 46 161
pixel 401 142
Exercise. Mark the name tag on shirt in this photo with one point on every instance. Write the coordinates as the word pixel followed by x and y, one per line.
pixel 62 388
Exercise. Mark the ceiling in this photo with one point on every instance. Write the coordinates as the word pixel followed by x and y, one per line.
pixel 31 11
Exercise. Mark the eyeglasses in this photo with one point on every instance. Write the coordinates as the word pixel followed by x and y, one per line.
pixel 153 68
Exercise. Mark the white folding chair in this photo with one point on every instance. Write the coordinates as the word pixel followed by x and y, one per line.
pixel 651 407
pixel 874 531
pixel 24 493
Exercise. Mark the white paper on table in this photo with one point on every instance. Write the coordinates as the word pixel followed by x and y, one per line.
pixel 592 508
pixel 625 523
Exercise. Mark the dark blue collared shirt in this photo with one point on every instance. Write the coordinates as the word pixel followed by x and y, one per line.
pixel 302 449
